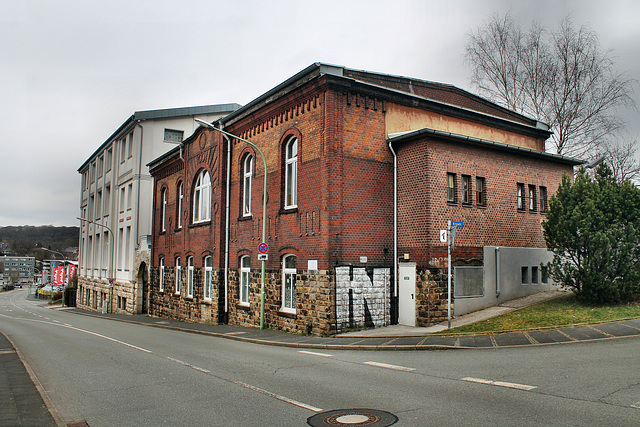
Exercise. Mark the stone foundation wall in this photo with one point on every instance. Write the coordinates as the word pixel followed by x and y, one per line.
pixel 431 296
pixel 98 291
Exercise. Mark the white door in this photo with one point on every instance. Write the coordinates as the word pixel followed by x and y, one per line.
pixel 406 293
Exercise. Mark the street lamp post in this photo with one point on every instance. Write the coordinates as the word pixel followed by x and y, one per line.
pixel 111 276
pixel 64 260
pixel 264 206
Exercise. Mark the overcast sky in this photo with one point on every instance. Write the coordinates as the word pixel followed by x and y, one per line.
pixel 73 71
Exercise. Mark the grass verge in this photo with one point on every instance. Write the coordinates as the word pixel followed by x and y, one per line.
pixel 563 311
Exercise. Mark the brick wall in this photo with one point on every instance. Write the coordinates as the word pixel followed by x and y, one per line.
pixel 423 209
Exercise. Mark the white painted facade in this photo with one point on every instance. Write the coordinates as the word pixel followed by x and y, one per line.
pixel 116 201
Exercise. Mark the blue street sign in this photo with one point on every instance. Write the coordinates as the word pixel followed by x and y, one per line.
pixel 459 224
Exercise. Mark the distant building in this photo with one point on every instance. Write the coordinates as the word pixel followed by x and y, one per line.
pixel 116 197
pixel 363 171
pixel 18 269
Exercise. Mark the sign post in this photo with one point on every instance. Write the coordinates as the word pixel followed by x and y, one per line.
pixel 453 225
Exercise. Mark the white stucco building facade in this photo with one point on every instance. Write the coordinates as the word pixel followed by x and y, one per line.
pixel 116 206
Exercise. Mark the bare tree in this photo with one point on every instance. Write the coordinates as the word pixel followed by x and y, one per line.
pixel 563 78
pixel 621 157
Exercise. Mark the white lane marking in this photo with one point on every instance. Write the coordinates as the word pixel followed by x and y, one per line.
pixel 313 353
pixel 500 383
pixel 636 405
pixel 388 366
pixel 189 365
pixel 85 331
pixel 279 397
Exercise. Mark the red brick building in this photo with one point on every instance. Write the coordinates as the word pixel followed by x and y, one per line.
pixel 331 136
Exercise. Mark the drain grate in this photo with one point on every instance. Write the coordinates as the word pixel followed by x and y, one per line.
pixel 353 418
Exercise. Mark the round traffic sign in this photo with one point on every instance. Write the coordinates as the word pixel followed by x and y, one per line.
pixel 263 248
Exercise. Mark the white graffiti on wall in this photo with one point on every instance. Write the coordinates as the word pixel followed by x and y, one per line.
pixel 362 300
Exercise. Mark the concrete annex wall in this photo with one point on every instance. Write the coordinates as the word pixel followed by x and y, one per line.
pixel 362 301
pixel 508 269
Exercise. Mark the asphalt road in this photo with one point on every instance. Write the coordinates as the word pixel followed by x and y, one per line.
pixel 118 374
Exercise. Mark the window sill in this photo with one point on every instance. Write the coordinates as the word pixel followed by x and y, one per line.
pixel 481 206
pixel 283 312
pixel 243 307
pixel 467 205
pixel 452 203
pixel 245 218
pixel 177 230
pixel 200 224
pixel 162 233
pixel 285 211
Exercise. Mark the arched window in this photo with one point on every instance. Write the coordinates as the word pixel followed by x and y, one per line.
pixel 202 198
pixel 179 212
pixel 246 185
pixel 164 210
pixel 245 271
pixel 291 174
pixel 208 273
pixel 190 269
pixel 178 276
pixel 289 283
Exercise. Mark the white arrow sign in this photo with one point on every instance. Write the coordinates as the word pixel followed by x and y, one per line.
pixel 443 236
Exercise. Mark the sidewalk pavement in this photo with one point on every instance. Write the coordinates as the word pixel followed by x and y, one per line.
pixel 398 337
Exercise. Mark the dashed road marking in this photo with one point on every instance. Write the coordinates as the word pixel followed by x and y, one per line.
pixel 500 383
pixel 279 397
pixel 388 366
pixel 206 371
pixel 313 353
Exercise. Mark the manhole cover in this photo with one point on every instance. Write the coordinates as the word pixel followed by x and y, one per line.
pixel 353 418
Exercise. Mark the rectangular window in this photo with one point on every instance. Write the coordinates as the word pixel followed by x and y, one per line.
pixel 208 277
pixel 520 196
pixel 481 192
pixel 121 245
pixel 534 275
pixel 100 165
pixel 178 276
pixel 245 274
pixel 164 211
pixel 108 160
pixel 161 275
pixel 532 198
pixel 289 283
pixel 107 200
pixel 127 248
pixel 524 272
pixel 122 199
pixel 130 144
pixel 174 136
pixel 466 190
pixel 544 274
pixel 190 269
pixel 98 204
pixel 105 251
pixel 123 150
pixel 129 196
pixel 93 172
pixel 246 187
pixel 543 200
pixel 451 188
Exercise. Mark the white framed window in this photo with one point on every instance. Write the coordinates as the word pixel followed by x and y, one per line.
pixel 190 269
pixel 289 283
pixel 178 276
pixel 245 271
pixel 108 160
pixel 246 187
pixel 122 198
pixel 161 274
pixel 291 174
pixel 130 145
pixel 129 196
pixel 179 212
pixel 164 210
pixel 202 198
pixel 123 150
pixel 208 277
